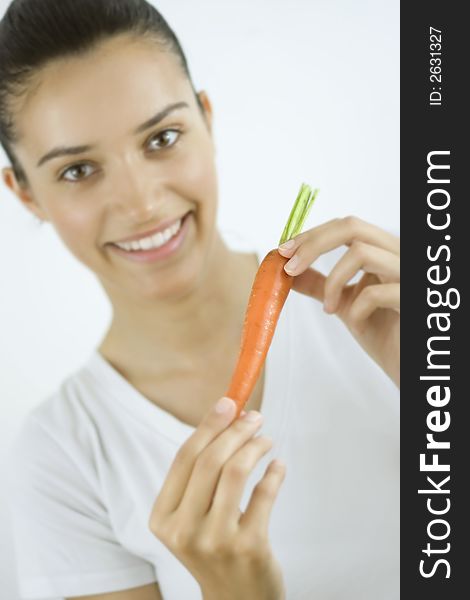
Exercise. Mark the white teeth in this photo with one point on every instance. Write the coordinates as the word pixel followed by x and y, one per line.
pixel 146 243
pixel 154 241
pixel 158 239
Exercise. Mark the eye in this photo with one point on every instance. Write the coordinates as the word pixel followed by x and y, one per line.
pixel 164 139
pixel 76 172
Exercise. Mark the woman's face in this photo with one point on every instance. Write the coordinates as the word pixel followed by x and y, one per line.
pixel 133 178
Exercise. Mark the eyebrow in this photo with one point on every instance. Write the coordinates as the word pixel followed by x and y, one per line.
pixel 71 150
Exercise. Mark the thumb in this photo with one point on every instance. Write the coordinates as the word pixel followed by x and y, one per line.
pixel 311 283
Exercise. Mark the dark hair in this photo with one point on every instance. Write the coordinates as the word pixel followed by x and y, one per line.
pixel 35 32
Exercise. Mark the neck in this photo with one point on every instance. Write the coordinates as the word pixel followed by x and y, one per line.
pixel 181 331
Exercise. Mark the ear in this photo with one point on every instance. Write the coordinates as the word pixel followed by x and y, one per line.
pixel 23 193
pixel 204 99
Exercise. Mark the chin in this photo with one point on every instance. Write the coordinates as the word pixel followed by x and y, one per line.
pixel 176 286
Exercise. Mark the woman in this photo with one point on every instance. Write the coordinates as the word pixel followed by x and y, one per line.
pixel 129 482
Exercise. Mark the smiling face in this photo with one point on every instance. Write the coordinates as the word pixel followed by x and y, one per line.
pixel 135 173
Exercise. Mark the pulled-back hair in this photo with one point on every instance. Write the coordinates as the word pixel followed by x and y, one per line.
pixel 36 32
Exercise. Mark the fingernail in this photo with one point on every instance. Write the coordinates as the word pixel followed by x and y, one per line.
pixel 278 464
pixel 287 245
pixel 252 416
pixel 291 264
pixel 224 406
pixel 327 306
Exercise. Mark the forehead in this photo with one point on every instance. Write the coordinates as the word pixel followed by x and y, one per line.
pixel 107 91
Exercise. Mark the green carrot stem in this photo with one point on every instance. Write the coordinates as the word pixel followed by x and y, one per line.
pixel 299 213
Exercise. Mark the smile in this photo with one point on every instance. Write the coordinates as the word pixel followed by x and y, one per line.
pixel 153 241
pixel 157 247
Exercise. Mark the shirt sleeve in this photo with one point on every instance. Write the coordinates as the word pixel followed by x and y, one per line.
pixel 63 539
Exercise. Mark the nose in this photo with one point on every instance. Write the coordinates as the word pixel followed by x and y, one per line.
pixel 136 194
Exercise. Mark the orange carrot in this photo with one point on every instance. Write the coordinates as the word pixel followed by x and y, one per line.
pixel 268 295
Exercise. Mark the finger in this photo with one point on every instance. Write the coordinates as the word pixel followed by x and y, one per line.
pixel 216 420
pixel 372 297
pixel 288 248
pixel 364 257
pixel 231 485
pixel 311 283
pixel 210 463
pixel 308 246
pixel 258 512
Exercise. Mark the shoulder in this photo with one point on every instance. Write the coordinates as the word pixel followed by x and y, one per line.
pixel 60 410
pixel 53 435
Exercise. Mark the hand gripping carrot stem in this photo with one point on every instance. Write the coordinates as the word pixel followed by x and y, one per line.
pixel 268 295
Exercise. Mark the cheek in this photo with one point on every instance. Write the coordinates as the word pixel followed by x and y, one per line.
pixel 77 226
pixel 200 177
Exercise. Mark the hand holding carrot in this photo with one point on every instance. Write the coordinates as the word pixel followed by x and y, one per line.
pixel 197 515
pixel 370 308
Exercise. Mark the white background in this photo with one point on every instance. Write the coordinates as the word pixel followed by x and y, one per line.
pixel 306 90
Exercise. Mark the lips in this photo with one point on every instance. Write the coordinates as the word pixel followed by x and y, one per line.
pixel 161 227
pixel 172 248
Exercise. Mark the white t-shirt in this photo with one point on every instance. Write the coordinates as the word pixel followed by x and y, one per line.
pixel 89 461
